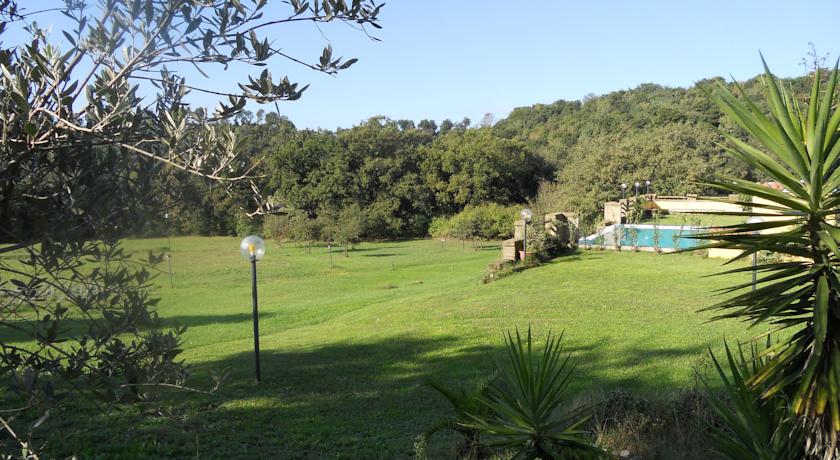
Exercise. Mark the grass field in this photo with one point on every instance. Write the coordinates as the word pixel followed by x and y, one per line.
pixel 705 220
pixel 346 350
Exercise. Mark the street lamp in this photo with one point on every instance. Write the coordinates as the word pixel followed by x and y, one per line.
pixel 754 220
pixel 169 249
pixel 637 187
pixel 252 249
pixel 525 214
pixel 647 187
pixel 623 189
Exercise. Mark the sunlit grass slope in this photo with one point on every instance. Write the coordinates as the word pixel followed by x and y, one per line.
pixel 346 349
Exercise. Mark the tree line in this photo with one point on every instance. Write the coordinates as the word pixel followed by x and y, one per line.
pixel 401 175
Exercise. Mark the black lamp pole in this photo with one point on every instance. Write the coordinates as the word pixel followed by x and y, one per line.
pixel 525 241
pixel 256 314
pixel 169 249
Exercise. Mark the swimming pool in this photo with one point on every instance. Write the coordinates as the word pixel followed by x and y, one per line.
pixel 670 236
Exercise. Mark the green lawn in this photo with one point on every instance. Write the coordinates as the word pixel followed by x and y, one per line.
pixel 346 350
pixel 706 220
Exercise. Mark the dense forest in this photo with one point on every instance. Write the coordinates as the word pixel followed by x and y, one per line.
pixel 395 176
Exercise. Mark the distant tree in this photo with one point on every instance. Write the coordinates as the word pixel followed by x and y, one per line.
pixel 487 121
pixel 405 125
pixel 446 126
pixel 428 125
pixel 304 229
pixel 351 227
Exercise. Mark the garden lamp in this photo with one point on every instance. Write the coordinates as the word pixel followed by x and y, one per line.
pixel 525 214
pixel 754 220
pixel 647 187
pixel 169 250
pixel 637 187
pixel 252 249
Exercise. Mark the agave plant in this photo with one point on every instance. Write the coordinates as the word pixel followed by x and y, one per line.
pixel 754 428
pixel 464 401
pixel 527 404
pixel 798 146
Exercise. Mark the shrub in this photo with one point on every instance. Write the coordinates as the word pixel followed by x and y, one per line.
pixel 487 222
pixel 464 401
pixel 527 404
pixel 248 225
pixel 439 228
pixel 753 427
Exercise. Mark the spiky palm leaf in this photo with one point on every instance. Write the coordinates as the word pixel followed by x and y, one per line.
pixel 527 405
pixel 798 147
pixel 465 400
pixel 754 428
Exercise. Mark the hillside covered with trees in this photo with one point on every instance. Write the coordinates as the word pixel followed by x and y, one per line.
pixel 399 175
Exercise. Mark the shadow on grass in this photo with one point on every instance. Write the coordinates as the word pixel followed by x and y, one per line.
pixel 74 327
pixel 355 400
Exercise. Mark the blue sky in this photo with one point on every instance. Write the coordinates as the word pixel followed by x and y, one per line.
pixel 449 59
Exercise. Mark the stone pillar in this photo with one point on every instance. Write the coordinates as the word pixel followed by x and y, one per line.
pixel 519 229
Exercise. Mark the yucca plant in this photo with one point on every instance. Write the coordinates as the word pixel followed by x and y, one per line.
pixel 466 402
pixel 754 428
pixel 798 146
pixel 527 405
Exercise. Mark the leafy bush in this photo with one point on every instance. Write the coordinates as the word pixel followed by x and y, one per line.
pixel 248 225
pixel 541 243
pixel 487 222
pixel 439 227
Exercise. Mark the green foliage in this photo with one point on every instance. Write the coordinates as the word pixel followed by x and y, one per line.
pixel 753 427
pixel 466 402
pixel 490 221
pixel 528 413
pixel 248 225
pixel 302 228
pixel 657 233
pixel 478 166
pixel 351 226
pixel 670 136
pixel 798 146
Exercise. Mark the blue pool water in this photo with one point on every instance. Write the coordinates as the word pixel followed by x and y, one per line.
pixel 670 236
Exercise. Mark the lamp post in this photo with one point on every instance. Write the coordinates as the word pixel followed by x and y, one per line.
pixel 754 220
pixel 647 187
pixel 637 187
pixel 169 249
pixel 623 189
pixel 252 249
pixel 525 214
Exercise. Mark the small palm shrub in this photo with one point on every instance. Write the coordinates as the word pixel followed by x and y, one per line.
pixel 464 401
pixel 753 427
pixel 526 410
